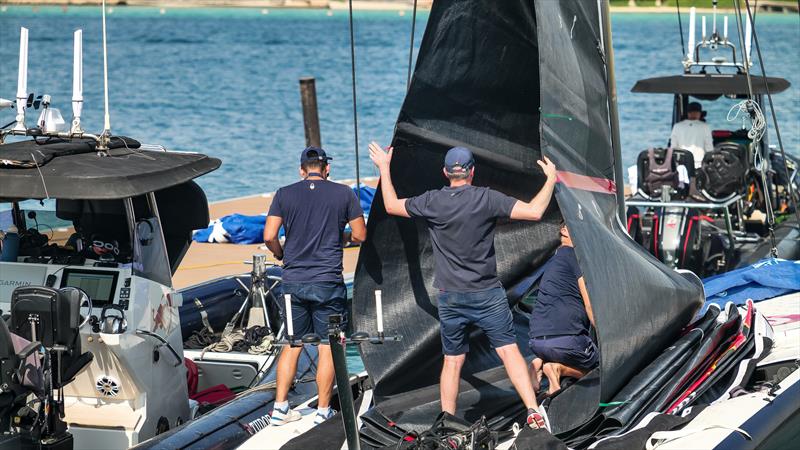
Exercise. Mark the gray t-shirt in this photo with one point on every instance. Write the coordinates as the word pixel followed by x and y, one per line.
pixel 461 221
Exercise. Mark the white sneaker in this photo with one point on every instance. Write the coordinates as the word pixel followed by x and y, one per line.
pixel 281 417
pixel 322 417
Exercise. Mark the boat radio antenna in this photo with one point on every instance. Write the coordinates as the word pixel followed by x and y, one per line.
pixel 102 144
pixel 77 82
pixel 22 80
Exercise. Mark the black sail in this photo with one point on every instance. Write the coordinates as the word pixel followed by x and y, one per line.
pixel 511 80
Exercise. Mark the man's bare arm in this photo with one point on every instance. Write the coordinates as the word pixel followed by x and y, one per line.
pixel 394 206
pixel 586 303
pixel 358 231
pixel 534 209
pixel 271 230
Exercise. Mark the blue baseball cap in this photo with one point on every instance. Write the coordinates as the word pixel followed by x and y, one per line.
pixel 458 159
pixel 313 154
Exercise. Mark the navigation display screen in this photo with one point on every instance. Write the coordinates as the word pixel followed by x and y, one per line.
pixel 99 286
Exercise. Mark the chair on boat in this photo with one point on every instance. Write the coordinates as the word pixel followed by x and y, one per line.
pixel 45 322
pixel 723 171
pixel 654 169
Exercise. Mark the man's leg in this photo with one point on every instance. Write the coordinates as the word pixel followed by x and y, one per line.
pixel 536 373
pixel 330 298
pixel 448 383
pixel 325 376
pixel 517 371
pixel 554 372
pixel 287 368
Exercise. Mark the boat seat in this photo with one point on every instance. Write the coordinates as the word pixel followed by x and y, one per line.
pixel 51 317
pixel 679 157
pixel 723 171
pixel 16 378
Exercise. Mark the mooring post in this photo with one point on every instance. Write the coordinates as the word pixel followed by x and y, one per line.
pixel 346 403
pixel 308 96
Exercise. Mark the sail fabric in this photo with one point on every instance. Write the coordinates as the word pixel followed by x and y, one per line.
pixel 512 81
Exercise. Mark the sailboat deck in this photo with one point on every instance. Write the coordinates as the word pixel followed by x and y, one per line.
pixel 205 261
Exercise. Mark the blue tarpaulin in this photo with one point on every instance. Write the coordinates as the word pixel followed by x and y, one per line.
pixel 242 229
pixel 765 279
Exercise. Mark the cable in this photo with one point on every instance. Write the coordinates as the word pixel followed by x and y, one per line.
pixel 792 197
pixel 680 25
pixel 411 47
pixel 762 168
pixel 355 109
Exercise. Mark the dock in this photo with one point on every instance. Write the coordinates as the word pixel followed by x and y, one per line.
pixel 206 261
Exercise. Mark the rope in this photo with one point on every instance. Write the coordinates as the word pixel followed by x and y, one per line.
pixel 411 46
pixel 355 109
pixel 792 197
pixel 225 344
pixel 760 165
pixel 680 26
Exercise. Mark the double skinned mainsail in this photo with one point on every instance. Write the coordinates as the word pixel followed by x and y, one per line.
pixel 512 80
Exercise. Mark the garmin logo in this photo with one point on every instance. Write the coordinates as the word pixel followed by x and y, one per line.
pixel 14 283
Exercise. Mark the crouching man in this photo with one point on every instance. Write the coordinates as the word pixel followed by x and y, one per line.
pixel 559 325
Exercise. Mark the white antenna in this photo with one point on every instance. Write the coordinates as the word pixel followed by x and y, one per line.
pixel 703 34
pixel 690 50
pixel 22 79
pixel 77 82
pixel 107 119
pixel 748 31
pixel 725 28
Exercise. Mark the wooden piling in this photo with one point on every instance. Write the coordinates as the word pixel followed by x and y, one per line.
pixel 308 96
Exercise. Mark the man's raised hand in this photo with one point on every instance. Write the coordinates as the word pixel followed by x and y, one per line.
pixel 548 167
pixel 381 159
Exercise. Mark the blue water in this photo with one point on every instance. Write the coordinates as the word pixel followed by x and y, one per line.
pixel 225 81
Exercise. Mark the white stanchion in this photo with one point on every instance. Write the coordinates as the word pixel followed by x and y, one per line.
pixel 289 325
pixel 379 310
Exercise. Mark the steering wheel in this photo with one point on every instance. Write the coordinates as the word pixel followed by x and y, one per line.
pixel 86 302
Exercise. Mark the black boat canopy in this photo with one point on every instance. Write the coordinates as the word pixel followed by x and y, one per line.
pixel 74 170
pixel 710 85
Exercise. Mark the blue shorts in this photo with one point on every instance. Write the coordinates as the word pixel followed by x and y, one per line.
pixel 488 310
pixel 573 350
pixel 312 304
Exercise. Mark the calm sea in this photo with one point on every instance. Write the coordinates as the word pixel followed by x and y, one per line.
pixel 225 81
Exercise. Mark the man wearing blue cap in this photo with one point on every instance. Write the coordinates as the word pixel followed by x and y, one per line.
pixel 461 219
pixel 314 213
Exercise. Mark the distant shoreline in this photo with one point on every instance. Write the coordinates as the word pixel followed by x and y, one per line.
pixel 361 5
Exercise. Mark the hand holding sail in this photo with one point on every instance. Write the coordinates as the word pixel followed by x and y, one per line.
pixel 534 209
pixel 383 159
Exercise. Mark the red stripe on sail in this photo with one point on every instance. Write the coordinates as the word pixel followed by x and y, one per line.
pixel 586 183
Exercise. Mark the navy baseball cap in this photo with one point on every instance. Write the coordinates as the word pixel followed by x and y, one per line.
pixel 694 107
pixel 458 159
pixel 313 154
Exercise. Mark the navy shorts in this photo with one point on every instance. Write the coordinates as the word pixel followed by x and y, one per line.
pixel 573 350
pixel 312 304
pixel 488 310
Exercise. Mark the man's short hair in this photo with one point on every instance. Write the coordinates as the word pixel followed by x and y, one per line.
pixel 314 158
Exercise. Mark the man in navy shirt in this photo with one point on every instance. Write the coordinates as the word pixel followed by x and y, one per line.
pixel 559 324
pixel 314 213
pixel 461 219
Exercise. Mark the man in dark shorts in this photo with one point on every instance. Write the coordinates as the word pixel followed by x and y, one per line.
pixel 461 219
pixel 314 213
pixel 559 326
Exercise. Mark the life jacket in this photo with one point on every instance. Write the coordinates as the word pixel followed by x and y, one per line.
pixel 659 175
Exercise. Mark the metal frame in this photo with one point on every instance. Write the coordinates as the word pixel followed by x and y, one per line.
pixel 701 205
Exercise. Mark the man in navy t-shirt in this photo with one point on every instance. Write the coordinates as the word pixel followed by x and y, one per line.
pixel 314 213
pixel 559 326
pixel 461 219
